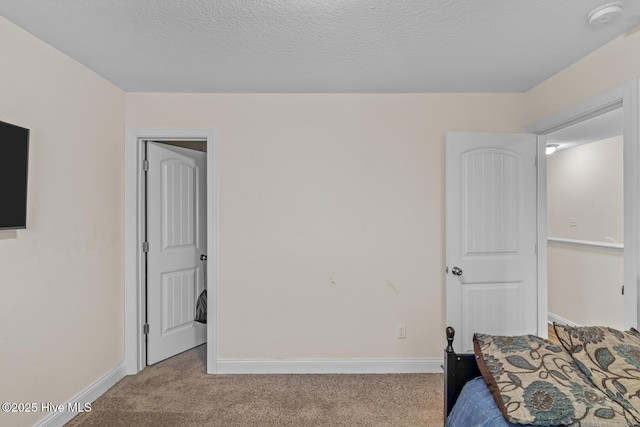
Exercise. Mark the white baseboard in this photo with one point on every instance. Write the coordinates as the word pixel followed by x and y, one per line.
pixel 329 366
pixel 561 320
pixel 88 395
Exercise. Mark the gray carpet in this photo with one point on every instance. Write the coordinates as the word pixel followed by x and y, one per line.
pixel 178 392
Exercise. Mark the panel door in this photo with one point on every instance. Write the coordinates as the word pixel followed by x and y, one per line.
pixel 491 223
pixel 176 232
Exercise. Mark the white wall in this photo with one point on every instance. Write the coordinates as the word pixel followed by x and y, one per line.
pixel 586 183
pixel 61 279
pixel 331 215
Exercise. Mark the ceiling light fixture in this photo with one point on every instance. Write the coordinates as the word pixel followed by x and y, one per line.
pixel 551 148
pixel 605 13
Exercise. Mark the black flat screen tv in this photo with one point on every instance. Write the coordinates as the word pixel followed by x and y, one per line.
pixel 14 162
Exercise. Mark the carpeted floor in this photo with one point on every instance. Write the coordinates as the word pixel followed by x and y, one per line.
pixel 178 392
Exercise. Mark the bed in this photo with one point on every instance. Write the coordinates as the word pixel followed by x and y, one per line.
pixel 591 379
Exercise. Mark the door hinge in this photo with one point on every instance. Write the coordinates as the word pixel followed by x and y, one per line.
pixel 145 165
pixel 622 289
pixel 145 328
pixel 145 247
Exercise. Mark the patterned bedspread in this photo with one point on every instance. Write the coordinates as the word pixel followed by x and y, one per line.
pixel 591 380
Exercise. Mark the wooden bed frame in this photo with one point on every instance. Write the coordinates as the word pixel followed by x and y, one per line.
pixel 458 370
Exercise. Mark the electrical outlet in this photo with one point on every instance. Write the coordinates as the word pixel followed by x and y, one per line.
pixel 573 222
pixel 402 331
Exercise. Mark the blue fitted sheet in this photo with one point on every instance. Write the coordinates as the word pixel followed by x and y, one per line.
pixel 476 407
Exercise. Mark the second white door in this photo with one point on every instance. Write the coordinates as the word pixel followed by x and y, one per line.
pixel 177 237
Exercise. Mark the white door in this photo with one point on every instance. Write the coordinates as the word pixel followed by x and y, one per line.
pixel 491 223
pixel 177 236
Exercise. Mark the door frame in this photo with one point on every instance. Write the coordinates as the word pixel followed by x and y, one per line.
pixel 626 96
pixel 134 274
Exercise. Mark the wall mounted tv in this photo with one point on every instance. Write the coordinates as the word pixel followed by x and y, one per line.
pixel 14 162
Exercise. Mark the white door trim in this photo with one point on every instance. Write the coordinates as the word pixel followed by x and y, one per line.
pixel 626 95
pixel 134 348
pixel 541 245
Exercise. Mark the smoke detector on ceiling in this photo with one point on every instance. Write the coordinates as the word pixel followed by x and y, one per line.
pixel 606 13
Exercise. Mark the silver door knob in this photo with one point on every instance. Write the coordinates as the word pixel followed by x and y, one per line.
pixel 203 257
pixel 456 271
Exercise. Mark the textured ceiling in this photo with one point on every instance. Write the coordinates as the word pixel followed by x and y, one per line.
pixel 321 45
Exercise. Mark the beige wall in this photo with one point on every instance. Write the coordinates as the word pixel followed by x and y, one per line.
pixel 331 215
pixel 613 64
pixel 586 183
pixel 585 284
pixel 61 279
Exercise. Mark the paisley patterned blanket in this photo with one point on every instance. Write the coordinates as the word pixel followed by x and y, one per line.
pixel 593 379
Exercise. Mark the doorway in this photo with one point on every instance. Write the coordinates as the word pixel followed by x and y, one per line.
pixel 175 246
pixel 135 272
pixel 585 183
pixel 626 99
